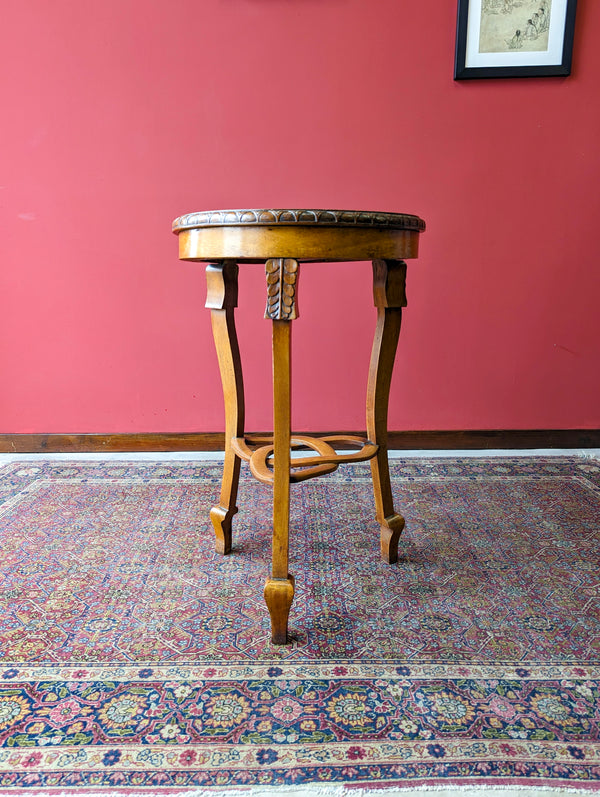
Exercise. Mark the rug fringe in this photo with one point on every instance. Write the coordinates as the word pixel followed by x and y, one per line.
pixel 593 454
pixel 341 790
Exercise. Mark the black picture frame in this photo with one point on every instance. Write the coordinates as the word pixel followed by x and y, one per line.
pixel 514 57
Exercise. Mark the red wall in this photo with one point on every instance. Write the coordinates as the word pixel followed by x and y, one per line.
pixel 119 115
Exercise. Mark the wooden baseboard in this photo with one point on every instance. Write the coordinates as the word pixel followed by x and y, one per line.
pixel 214 441
pixel 98 443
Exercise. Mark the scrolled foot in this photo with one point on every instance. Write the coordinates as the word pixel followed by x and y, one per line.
pixel 279 594
pixel 221 520
pixel 391 529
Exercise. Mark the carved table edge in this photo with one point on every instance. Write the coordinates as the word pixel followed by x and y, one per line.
pixel 268 217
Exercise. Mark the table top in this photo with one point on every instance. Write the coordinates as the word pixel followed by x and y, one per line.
pixel 251 236
pixel 269 217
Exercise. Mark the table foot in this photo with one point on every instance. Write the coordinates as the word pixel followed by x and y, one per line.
pixel 391 529
pixel 221 520
pixel 279 594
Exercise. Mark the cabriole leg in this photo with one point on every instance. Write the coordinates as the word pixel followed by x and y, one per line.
pixel 221 299
pixel 389 278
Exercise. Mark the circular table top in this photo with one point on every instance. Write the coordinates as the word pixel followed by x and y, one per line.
pixel 251 236
pixel 269 217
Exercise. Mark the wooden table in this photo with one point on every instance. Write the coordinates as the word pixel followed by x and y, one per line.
pixel 282 240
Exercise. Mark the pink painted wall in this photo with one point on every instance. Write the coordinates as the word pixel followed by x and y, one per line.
pixel 119 115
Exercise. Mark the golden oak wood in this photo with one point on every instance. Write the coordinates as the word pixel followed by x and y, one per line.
pixel 301 234
pixel 282 239
pixel 221 299
pixel 390 297
pixel 302 468
pixel 279 589
pixel 247 245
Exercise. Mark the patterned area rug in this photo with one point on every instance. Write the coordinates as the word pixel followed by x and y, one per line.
pixel 133 657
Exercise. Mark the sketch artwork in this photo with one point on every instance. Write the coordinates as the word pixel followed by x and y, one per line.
pixel 508 25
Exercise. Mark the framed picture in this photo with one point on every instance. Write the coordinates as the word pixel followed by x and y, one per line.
pixel 514 38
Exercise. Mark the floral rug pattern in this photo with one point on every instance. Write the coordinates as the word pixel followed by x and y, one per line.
pixel 132 655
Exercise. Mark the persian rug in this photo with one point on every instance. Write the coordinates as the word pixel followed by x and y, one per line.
pixel 134 659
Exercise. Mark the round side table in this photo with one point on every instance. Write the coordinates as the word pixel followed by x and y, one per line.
pixel 282 240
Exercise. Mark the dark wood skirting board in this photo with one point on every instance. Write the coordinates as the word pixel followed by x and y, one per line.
pixel 214 441
pixel 98 443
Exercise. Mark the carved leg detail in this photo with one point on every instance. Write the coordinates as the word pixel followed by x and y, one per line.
pixel 279 594
pixel 221 298
pixel 389 295
pixel 281 309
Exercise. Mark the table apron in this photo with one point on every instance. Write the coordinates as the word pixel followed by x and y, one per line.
pixel 317 244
